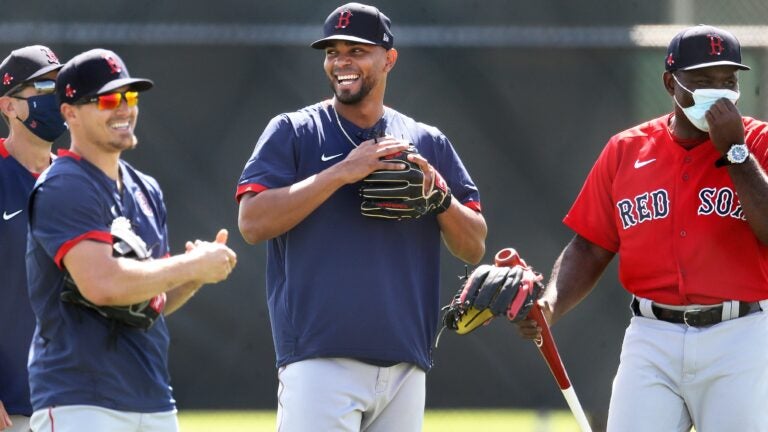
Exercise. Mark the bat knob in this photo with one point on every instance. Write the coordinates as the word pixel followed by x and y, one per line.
pixel 507 257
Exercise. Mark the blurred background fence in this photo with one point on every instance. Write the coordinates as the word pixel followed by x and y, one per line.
pixel 528 92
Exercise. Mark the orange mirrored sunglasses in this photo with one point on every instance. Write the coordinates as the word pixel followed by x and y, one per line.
pixel 109 101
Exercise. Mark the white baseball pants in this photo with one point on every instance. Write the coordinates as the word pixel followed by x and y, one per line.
pixel 346 395
pixel 672 376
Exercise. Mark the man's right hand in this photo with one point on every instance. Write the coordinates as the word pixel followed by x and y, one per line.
pixel 529 328
pixel 366 158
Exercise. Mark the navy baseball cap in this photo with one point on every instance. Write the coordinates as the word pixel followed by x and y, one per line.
pixel 703 46
pixel 26 64
pixel 95 72
pixel 357 22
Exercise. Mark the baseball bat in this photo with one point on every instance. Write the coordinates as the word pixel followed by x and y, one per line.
pixel 509 257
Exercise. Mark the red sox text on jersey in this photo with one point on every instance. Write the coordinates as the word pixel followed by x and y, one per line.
pixel 654 205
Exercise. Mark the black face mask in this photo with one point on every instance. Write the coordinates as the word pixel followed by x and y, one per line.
pixel 44 120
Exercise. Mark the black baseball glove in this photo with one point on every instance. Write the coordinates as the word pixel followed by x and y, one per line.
pixel 403 194
pixel 125 243
pixel 492 291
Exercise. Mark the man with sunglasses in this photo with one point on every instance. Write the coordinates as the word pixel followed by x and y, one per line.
pixel 683 200
pixel 29 108
pixel 98 231
pixel 353 299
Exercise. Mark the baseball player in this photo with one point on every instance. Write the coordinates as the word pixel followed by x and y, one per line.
pixel 683 200
pixel 353 287
pixel 98 257
pixel 28 106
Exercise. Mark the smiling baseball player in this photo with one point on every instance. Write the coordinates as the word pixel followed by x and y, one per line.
pixel 683 200
pixel 351 197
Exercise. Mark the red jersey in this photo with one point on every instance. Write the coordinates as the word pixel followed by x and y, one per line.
pixel 674 219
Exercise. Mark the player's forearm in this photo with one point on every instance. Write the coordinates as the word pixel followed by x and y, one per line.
pixel 574 275
pixel 125 281
pixel 177 297
pixel 464 231
pixel 751 185
pixel 275 211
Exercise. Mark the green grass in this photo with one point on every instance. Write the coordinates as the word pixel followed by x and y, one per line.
pixel 434 421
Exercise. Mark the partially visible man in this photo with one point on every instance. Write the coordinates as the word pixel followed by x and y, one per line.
pixel 98 252
pixel 29 108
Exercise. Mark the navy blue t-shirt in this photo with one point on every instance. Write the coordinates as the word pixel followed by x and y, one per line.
pixel 76 358
pixel 16 319
pixel 340 284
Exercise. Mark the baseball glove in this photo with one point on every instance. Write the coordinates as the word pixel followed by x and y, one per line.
pixel 125 243
pixel 403 194
pixel 492 291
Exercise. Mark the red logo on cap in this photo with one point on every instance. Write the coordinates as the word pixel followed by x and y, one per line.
pixel 716 46
pixel 7 78
pixel 114 66
pixel 343 19
pixel 670 60
pixel 69 91
pixel 52 59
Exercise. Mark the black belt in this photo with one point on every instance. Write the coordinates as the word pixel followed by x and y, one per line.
pixel 695 317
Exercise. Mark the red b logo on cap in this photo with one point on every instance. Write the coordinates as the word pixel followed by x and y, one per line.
pixel 52 59
pixel 715 44
pixel 114 66
pixel 343 19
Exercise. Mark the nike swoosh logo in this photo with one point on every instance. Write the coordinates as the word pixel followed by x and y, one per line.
pixel 327 158
pixel 639 164
pixel 7 216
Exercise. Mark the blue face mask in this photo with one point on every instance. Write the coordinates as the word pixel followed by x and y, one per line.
pixel 703 99
pixel 44 120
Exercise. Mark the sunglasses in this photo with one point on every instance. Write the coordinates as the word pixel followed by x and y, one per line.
pixel 45 86
pixel 110 101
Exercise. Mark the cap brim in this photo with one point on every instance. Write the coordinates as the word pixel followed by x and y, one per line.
pixel 718 63
pixel 45 70
pixel 138 84
pixel 320 44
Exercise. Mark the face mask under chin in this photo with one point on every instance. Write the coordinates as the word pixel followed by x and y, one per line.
pixel 703 99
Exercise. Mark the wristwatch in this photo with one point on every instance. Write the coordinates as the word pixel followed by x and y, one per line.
pixel 737 154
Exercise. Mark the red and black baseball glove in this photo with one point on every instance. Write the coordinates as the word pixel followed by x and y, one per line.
pixel 492 291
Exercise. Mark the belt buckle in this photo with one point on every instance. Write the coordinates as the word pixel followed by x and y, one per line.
pixel 693 318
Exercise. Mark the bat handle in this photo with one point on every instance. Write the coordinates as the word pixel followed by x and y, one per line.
pixel 549 349
pixel 508 257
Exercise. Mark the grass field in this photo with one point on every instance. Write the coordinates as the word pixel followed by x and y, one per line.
pixel 435 421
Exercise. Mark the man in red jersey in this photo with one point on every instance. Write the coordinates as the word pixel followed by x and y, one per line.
pixel 683 200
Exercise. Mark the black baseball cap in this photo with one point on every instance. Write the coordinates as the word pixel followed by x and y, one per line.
pixel 95 72
pixel 356 22
pixel 703 46
pixel 26 64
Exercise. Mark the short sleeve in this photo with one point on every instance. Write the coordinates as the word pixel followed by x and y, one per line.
pixel 450 166
pixel 65 210
pixel 592 214
pixel 273 162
